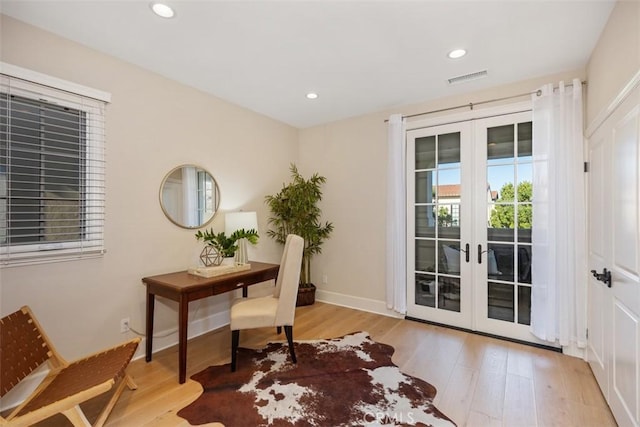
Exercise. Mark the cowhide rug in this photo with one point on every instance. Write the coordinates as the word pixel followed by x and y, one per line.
pixel 337 382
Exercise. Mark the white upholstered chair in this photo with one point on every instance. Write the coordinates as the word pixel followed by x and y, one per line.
pixel 275 310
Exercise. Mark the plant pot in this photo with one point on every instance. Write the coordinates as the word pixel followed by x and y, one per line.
pixel 306 295
pixel 228 261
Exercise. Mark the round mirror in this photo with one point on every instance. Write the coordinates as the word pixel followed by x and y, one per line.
pixel 189 196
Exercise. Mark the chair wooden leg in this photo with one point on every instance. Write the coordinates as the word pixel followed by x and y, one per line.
pixel 130 383
pixel 76 416
pixel 288 330
pixel 125 382
pixel 235 339
pixel 279 329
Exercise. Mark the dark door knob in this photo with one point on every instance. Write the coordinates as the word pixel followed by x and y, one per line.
pixel 605 276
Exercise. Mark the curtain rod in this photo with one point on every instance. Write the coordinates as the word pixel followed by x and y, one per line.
pixel 472 104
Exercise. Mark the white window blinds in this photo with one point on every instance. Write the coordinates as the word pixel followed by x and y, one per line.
pixel 52 172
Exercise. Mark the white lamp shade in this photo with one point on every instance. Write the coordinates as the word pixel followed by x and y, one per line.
pixel 240 220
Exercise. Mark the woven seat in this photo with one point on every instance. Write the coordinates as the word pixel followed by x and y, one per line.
pixel 24 347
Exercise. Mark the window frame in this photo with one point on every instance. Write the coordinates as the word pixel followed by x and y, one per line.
pixel 40 87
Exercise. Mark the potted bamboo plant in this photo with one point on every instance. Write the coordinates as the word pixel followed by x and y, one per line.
pixel 294 209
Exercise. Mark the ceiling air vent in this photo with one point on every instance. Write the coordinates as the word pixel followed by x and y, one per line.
pixel 468 77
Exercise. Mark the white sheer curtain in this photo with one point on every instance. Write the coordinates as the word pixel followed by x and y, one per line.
pixel 396 253
pixel 559 271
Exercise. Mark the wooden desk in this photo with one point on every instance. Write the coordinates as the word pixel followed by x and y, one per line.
pixel 184 288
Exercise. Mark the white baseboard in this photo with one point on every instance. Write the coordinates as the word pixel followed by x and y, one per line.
pixel 575 351
pixel 358 303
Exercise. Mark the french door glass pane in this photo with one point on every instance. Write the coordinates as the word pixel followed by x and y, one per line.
pixel 426 255
pixel 500 223
pixel 449 293
pixel 449 150
pixel 524 234
pixel 425 292
pixel 525 139
pixel 524 305
pixel 449 221
pixel 501 304
pixel 425 221
pixel 425 187
pixel 449 260
pixel 426 152
pixel 525 222
pixel 448 197
pixel 500 143
pixel 500 262
pixel 524 264
pixel 525 174
pixel 449 183
pixel 501 179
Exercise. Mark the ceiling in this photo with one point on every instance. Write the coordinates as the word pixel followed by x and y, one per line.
pixel 359 56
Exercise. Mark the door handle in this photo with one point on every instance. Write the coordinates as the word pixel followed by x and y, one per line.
pixel 480 252
pixel 605 276
pixel 466 252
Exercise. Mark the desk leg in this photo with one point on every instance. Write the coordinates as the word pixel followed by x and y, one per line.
pixel 151 299
pixel 182 339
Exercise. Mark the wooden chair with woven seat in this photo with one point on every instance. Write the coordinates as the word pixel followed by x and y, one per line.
pixel 24 347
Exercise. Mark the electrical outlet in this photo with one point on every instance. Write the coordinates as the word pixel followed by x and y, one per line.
pixel 325 279
pixel 124 325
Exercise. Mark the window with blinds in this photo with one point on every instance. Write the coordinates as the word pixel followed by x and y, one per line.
pixel 52 169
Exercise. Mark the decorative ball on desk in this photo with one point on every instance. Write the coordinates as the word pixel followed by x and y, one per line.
pixel 210 256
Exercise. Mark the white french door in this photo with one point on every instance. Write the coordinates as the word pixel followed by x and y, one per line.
pixel 502 227
pixel 469 218
pixel 438 219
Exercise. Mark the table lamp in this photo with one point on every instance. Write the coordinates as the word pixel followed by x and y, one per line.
pixel 237 221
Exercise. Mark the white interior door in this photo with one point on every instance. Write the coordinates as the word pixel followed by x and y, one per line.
pixel 598 309
pixel 614 208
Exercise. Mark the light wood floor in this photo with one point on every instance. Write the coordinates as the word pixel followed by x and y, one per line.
pixel 480 381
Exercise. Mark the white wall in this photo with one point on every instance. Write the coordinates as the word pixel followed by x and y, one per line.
pixel 616 58
pixel 153 124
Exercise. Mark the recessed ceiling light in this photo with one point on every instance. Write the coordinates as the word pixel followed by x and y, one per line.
pixel 457 53
pixel 162 10
pixel 312 95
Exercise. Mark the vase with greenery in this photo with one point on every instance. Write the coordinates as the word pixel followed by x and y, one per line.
pixel 294 209
pixel 227 245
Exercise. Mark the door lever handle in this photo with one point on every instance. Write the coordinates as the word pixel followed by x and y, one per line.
pixel 605 276
pixel 466 252
pixel 480 252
